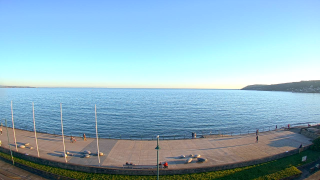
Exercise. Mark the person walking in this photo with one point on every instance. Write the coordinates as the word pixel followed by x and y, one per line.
pixel 1 129
pixel 257 132
pixel 257 139
pixel 84 137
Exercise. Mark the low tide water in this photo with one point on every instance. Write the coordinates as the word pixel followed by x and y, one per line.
pixel 145 113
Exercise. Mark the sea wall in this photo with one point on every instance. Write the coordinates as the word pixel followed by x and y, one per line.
pixel 309 134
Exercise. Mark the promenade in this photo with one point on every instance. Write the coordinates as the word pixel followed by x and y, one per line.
pixel 218 151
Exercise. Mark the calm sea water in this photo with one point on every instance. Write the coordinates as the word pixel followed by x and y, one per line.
pixel 145 113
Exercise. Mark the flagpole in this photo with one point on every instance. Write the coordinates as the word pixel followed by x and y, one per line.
pixel 9 141
pixel 64 146
pixel 35 131
pixel 95 112
pixel 14 132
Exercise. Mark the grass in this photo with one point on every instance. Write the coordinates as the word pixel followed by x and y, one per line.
pixel 277 169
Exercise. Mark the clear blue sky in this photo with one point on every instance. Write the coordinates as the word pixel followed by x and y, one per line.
pixel 158 44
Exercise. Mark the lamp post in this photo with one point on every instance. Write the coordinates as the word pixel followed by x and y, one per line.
pixel 157 148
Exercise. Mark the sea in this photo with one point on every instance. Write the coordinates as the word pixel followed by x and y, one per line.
pixel 146 113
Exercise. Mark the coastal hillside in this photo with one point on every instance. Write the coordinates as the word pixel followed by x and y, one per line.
pixel 302 86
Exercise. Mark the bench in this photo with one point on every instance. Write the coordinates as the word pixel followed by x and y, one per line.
pixel 128 166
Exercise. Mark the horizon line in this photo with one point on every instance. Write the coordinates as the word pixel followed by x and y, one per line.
pixel 119 87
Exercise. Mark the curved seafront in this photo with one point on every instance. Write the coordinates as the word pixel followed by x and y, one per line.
pixel 221 152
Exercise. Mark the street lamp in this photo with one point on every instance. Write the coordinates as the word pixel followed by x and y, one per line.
pixel 157 148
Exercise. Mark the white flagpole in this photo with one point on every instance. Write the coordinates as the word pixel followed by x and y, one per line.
pixel 64 146
pixel 9 141
pixel 35 131
pixel 95 112
pixel 14 132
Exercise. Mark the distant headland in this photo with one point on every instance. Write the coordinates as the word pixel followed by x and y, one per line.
pixel 302 86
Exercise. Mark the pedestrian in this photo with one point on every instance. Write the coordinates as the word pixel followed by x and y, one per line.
pixel 165 165
pixel 84 137
pixel 276 127
pixel 257 139
pixel 1 129
pixel 300 148
pixel 72 139
pixel 257 132
pixel 288 126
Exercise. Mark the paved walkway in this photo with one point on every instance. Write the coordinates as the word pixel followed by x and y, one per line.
pixel 218 151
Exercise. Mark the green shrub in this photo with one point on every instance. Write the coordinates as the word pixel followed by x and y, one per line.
pixel 288 172
pixel 316 144
pixel 277 169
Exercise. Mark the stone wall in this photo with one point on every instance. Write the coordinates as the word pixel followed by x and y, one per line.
pixel 309 134
pixel 91 169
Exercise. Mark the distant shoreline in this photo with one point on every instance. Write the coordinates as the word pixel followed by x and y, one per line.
pixel 16 87
pixel 113 88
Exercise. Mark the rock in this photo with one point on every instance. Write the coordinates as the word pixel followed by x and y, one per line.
pixel 22 146
pixel 62 155
pixel 202 159
pixel 101 154
pixel 197 156
pixel 86 152
pixel 189 160
pixel 86 156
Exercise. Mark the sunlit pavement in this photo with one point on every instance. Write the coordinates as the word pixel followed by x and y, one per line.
pixel 218 151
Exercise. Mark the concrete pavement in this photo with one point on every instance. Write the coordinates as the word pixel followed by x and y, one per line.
pixel 218 151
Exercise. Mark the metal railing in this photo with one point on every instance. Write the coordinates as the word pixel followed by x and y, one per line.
pixel 185 135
